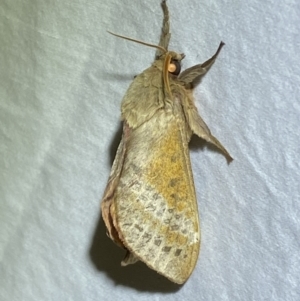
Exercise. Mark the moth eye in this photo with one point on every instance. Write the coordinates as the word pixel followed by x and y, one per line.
pixel 174 67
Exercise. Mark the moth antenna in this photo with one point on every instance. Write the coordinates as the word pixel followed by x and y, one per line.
pixel 140 42
pixel 166 73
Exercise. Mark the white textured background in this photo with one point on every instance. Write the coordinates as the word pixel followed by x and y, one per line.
pixel 62 78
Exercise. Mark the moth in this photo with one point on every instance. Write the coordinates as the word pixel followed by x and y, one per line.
pixel 149 206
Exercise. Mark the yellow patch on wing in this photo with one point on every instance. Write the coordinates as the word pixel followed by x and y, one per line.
pixel 169 174
pixel 156 209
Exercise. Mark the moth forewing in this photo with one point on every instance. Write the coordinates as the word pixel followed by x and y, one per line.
pixel 149 206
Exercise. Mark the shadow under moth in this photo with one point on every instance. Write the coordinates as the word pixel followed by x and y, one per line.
pixel 149 206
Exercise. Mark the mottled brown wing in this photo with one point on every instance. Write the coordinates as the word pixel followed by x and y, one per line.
pixel 155 204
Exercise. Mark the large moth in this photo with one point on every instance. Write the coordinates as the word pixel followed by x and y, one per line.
pixel 149 206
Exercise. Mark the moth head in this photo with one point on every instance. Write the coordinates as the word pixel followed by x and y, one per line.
pixel 174 62
pixel 171 60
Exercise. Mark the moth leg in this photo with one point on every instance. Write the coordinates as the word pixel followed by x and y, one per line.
pixel 129 259
pixel 192 76
pixel 207 64
pixel 165 31
pixel 199 127
pixel 109 194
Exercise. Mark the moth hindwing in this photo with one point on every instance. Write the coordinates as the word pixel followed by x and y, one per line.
pixel 149 206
